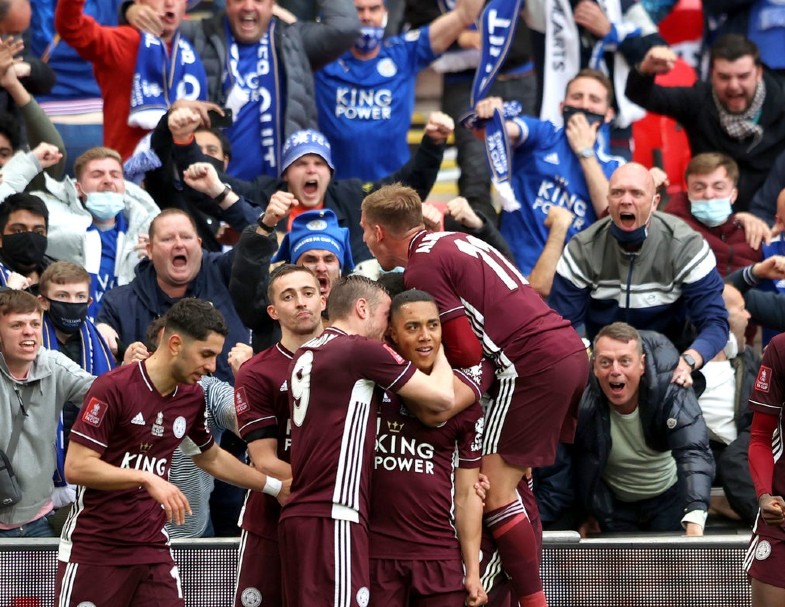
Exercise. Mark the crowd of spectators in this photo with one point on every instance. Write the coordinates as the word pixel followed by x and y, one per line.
pixel 157 150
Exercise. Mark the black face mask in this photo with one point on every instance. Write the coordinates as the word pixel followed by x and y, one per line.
pixel 218 165
pixel 24 250
pixel 68 317
pixel 568 112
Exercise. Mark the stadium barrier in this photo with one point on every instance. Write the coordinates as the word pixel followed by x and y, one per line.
pixel 644 571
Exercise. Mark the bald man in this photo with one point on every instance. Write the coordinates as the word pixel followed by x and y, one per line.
pixel 646 268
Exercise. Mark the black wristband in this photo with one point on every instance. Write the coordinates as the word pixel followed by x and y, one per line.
pixel 222 196
pixel 264 226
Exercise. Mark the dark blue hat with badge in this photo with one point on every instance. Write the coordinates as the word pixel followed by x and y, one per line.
pixel 317 229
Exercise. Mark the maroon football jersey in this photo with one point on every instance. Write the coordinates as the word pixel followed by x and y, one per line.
pixel 127 421
pixel 412 515
pixel 468 276
pixel 261 399
pixel 336 383
pixel 768 397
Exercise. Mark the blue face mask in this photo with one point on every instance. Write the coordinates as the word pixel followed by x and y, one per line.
pixel 713 212
pixel 104 205
pixel 370 38
pixel 633 238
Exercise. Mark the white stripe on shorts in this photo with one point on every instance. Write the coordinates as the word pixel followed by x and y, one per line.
pixel 343 564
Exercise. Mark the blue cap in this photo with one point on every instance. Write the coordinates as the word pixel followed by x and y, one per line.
pixel 306 142
pixel 317 229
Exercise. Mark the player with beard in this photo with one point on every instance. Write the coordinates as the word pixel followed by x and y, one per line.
pixel 416 558
pixel 262 404
pixel 335 385
pixel 114 547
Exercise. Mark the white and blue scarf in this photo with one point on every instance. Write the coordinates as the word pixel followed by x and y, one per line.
pixel 253 93
pixel 162 77
pixel 96 359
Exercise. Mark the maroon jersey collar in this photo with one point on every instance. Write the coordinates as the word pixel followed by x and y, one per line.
pixel 416 240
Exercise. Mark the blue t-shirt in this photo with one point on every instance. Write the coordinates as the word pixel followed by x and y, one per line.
pixel 545 171
pixel 365 107
pixel 75 78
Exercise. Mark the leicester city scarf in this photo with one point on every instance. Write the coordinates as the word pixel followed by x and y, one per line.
pixel 253 93
pixel 497 28
pixel 162 77
pixel 96 359
pixel 497 147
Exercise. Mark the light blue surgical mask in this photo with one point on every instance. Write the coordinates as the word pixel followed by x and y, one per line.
pixel 370 38
pixel 713 212
pixel 104 205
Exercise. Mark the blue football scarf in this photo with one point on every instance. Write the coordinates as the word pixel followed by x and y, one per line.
pixel 497 148
pixel 96 359
pixel 497 28
pixel 162 77
pixel 253 92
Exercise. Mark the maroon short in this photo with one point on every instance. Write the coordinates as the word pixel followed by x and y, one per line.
pixel 765 560
pixel 118 586
pixel 531 413
pixel 407 583
pixel 258 572
pixel 324 562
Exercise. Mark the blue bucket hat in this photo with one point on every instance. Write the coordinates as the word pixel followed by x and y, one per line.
pixel 316 229
pixel 306 142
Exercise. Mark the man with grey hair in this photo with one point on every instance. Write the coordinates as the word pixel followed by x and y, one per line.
pixel 642 458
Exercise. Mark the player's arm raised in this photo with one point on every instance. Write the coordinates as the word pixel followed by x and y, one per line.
pixel 83 466
pixel 464 398
pixel 434 392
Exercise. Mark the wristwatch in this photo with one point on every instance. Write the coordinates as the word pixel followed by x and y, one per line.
pixel 688 358
pixel 222 196
pixel 586 153
pixel 263 225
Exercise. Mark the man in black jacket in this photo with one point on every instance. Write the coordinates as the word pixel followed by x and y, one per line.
pixel 739 112
pixel 642 457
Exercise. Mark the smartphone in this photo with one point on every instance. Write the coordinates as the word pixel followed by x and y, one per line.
pixel 220 122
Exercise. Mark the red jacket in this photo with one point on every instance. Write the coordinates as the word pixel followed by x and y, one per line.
pixel 726 240
pixel 112 51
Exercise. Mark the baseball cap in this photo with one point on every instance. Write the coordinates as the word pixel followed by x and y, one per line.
pixel 306 142
pixel 316 229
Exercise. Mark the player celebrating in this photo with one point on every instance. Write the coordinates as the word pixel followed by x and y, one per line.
pixel 488 309
pixel 766 553
pixel 333 397
pixel 415 556
pixel 114 548
pixel 262 404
